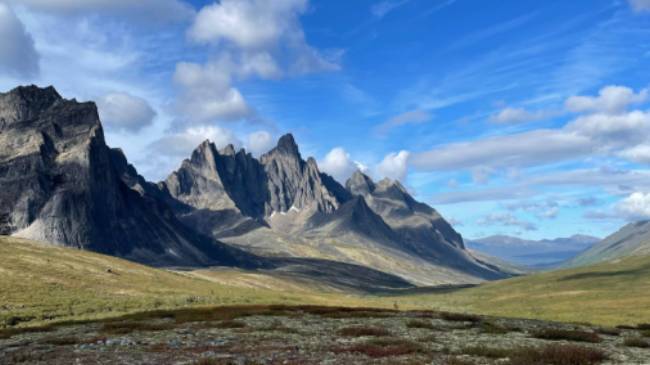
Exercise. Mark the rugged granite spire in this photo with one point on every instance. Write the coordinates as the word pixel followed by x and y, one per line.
pixel 62 184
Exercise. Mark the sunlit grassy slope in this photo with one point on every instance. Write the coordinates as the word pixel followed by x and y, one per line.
pixel 41 282
pixel 611 293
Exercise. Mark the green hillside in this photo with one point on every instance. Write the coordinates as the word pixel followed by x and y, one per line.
pixel 612 293
pixel 43 282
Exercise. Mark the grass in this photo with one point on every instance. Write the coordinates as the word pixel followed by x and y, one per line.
pixel 568 335
pixel 607 294
pixel 42 284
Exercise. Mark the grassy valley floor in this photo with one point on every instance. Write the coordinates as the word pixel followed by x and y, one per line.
pixel 41 283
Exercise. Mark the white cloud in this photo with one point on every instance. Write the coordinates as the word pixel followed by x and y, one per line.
pixel 261 26
pixel 380 9
pixel 515 150
pixel 636 206
pixel 146 10
pixel 610 99
pixel 253 39
pixel 602 133
pixel 608 130
pixel 250 24
pixel 18 57
pixel 517 115
pixel 259 142
pixel 394 166
pixel 640 5
pixel 338 164
pixel 640 153
pixel 208 94
pixel 506 219
pixel 125 112
pixel 182 144
pixel 411 117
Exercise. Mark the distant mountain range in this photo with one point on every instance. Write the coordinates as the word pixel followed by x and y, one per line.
pixel 62 184
pixel 541 254
pixel 631 240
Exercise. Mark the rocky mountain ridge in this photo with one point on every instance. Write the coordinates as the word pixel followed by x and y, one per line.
pixel 63 184
pixel 282 205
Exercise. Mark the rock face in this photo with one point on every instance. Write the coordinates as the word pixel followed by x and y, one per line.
pixel 62 184
pixel 282 205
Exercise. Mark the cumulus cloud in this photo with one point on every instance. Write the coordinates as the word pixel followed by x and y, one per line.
pixel 411 117
pixel 163 11
pixel 507 220
pixel 517 115
pixel 394 166
pixel 610 99
pixel 207 93
pixel 125 112
pixel 636 206
pixel 255 26
pixel 18 56
pixel 640 5
pixel 259 142
pixel 253 39
pixel 338 163
pixel 183 143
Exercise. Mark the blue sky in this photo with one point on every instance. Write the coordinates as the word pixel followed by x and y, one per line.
pixel 524 117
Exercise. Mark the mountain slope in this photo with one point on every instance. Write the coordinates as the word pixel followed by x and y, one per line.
pixel 610 293
pixel 283 206
pixel 62 184
pixel 541 254
pixel 631 240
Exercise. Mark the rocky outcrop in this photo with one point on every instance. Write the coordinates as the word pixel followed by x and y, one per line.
pixel 62 184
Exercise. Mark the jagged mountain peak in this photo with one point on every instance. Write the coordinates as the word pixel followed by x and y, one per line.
pixel 286 145
pixel 360 184
pixel 229 150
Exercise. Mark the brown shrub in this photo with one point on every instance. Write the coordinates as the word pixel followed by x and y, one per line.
pixel 379 348
pixel 636 342
pixel 363 331
pixel 231 323
pixel 123 328
pixel 484 351
pixel 460 317
pixel 558 355
pixel 569 335
pixel 609 331
pixel 415 323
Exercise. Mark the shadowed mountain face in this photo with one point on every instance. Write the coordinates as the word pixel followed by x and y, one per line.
pixel 282 205
pixel 62 184
pixel 631 240
pixel 540 254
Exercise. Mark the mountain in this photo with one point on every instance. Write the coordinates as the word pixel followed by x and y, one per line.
pixel 61 183
pixel 631 240
pixel 541 254
pixel 281 205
